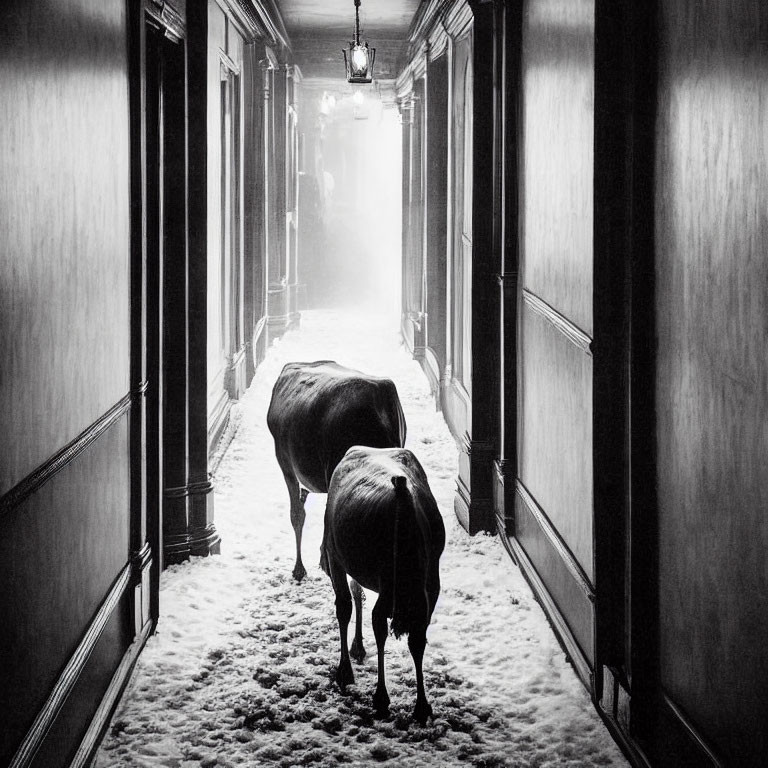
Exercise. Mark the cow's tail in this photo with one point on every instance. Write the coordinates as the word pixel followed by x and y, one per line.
pixel 409 564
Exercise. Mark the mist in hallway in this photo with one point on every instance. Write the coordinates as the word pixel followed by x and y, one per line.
pixel 350 203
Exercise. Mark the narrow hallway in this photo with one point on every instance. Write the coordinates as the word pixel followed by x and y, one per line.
pixel 240 670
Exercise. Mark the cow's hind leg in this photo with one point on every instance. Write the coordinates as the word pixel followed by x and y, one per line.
pixel 417 640
pixel 357 650
pixel 379 621
pixel 298 515
pixel 344 674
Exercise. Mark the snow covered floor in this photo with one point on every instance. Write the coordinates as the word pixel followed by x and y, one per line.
pixel 240 670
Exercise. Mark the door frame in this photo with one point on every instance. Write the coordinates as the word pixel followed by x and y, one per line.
pixel 624 447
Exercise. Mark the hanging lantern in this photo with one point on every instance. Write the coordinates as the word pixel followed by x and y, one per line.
pixel 359 59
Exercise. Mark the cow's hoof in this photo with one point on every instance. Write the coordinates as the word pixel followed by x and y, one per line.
pixel 344 676
pixel 357 651
pixel 299 572
pixel 422 712
pixel 381 702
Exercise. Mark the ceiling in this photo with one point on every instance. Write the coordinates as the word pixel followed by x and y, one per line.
pixel 320 29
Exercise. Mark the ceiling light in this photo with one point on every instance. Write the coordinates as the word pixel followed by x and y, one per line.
pixel 359 62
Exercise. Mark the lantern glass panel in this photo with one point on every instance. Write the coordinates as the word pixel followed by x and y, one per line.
pixel 359 61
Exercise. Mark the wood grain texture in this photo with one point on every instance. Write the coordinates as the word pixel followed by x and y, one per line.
pixel 64 264
pixel 216 341
pixel 712 381
pixel 556 431
pixel 63 740
pixel 558 101
pixel 437 205
pixel 460 199
pixel 59 554
pixel 69 677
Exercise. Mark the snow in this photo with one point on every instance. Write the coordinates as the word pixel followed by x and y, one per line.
pixel 240 671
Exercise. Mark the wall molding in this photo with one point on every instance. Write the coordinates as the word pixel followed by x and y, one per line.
pixel 572 332
pixel 257 20
pixel 228 62
pixel 556 540
pixel 436 22
pixel 166 18
pixel 34 481
pixel 705 756
pixel 438 42
pixel 28 748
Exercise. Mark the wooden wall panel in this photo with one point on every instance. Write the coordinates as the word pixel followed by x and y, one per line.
pixel 64 218
pixel 712 385
pixel 217 26
pixel 461 202
pixel 60 551
pixel 63 740
pixel 558 74
pixel 436 241
pixel 253 190
pixel 554 426
pixel 564 582
pixel 556 431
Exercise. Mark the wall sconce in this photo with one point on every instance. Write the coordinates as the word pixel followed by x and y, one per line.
pixel 359 62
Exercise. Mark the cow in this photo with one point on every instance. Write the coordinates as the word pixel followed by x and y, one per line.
pixel 317 411
pixel 384 530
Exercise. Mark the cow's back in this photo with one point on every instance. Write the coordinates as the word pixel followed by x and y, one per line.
pixel 361 507
pixel 318 410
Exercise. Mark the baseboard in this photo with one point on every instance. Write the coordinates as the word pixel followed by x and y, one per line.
pixel 560 626
pixel 503 501
pixel 475 515
pixel 217 419
pixel 228 434
pixel 277 325
pixel 98 726
pixel 235 377
pixel 456 406
pixel 431 368
pixel 461 504
pixel 555 540
pixel 278 312
pixel 557 568
pixel 25 754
